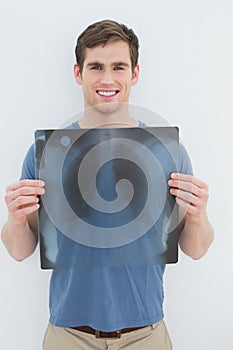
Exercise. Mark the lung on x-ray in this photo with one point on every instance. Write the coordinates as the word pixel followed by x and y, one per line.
pixel 107 202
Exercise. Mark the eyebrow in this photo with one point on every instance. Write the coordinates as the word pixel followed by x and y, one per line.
pixel 118 63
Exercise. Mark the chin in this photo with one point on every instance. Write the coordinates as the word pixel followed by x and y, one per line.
pixel 108 108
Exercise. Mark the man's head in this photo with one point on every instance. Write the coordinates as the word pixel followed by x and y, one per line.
pixel 103 33
pixel 107 66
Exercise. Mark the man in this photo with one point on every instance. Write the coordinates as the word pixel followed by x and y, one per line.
pixel 106 307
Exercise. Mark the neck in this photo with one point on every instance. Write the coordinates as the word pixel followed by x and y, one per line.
pixel 107 117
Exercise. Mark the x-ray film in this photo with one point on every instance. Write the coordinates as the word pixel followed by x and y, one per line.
pixel 107 201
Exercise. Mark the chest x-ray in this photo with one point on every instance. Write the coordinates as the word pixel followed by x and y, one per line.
pixel 107 202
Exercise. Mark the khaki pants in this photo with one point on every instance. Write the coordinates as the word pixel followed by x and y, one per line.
pixel 153 337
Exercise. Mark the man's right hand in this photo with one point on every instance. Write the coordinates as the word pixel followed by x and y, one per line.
pixel 20 232
pixel 22 199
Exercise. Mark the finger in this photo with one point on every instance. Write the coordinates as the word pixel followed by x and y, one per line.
pixel 186 196
pixel 23 191
pixel 186 186
pixel 189 187
pixel 26 210
pixel 187 207
pixel 22 201
pixel 25 183
pixel 189 178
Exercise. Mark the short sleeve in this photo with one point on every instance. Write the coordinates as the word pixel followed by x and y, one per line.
pixel 28 168
pixel 185 162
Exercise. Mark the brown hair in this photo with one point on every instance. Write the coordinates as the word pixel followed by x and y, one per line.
pixel 102 33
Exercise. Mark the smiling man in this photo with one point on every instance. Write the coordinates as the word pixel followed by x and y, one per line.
pixel 117 307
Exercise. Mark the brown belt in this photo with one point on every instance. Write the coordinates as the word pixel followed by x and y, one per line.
pixel 100 334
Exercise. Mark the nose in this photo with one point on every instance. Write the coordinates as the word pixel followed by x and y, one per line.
pixel 107 77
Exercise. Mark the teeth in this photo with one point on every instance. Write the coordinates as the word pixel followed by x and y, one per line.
pixel 107 93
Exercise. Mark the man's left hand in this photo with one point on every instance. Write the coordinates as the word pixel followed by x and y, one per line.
pixel 191 194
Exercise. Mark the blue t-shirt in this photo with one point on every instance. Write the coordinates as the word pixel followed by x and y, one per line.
pixel 106 298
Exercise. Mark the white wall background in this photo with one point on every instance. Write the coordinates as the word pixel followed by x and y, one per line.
pixel 186 76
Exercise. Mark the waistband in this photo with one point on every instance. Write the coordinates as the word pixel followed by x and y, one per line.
pixel 104 335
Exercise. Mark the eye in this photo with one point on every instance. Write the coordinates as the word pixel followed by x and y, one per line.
pixel 118 68
pixel 96 67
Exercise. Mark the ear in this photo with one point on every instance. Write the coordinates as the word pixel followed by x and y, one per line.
pixel 77 74
pixel 135 75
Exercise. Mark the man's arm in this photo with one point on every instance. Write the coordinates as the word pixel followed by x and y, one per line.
pixel 19 234
pixel 192 196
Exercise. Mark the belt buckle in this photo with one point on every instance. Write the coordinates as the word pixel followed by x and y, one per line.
pixel 98 335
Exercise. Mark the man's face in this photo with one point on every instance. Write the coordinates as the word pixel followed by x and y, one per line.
pixel 107 76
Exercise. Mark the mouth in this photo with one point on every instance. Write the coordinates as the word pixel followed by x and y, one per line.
pixel 107 93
